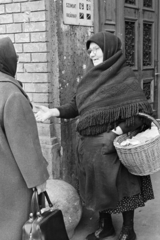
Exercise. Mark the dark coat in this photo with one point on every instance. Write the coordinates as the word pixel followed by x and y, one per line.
pixel 103 180
pixel 22 165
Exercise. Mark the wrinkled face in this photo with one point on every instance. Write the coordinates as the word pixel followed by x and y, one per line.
pixel 95 53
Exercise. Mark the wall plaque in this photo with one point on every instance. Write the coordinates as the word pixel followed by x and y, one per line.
pixel 78 12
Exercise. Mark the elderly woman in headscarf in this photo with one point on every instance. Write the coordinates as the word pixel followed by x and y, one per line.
pixel 107 101
pixel 22 165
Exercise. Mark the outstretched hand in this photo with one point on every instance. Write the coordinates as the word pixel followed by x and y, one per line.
pixel 43 113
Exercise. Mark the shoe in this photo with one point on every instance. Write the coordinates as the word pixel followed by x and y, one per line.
pixel 101 234
pixel 127 233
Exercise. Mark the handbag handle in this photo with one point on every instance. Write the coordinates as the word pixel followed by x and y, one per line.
pixel 35 207
pixel 48 199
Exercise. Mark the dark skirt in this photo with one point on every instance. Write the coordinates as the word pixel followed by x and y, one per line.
pixel 104 183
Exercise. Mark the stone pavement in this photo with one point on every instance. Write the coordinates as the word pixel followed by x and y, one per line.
pixel 147 219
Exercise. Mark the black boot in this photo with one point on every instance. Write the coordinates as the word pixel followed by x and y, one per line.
pixel 127 232
pixel 105 229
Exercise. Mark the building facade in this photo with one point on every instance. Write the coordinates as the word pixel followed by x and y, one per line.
pixel 52 58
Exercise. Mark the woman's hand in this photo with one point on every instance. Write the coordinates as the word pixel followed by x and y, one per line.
pixel 108 139
pixel 45 113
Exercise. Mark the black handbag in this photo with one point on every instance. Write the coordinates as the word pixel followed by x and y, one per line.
pixel 48 225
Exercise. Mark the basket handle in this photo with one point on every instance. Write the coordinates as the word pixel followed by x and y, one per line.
pixel 150 118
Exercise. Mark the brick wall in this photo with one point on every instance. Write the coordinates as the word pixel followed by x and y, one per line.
pixel 26 23
pixel 51 62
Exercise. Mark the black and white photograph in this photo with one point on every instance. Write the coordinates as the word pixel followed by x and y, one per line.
pixel 79 120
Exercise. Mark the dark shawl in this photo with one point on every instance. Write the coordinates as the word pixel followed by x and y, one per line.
pixel 109 93
pixel 8 57
pixel 8 63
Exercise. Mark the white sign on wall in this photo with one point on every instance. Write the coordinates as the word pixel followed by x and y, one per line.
pixel 78 12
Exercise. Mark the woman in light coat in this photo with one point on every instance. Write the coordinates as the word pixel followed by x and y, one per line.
pixel 22 165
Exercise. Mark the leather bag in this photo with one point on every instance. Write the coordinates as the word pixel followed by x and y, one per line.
pixel 48 225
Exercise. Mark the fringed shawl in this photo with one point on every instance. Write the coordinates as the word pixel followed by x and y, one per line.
pixel 109 93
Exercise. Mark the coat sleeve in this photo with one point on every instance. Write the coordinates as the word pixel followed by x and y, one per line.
pixel 69 110
pixel 22 136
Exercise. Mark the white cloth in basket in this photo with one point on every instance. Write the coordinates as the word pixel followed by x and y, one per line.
pixel 142 137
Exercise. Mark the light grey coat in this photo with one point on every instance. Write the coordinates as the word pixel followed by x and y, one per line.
pixel 22 165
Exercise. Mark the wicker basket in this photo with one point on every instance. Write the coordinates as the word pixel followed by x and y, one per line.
pixel 143 159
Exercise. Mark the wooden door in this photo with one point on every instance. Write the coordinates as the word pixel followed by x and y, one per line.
pixel 136 22
pixel 141 44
